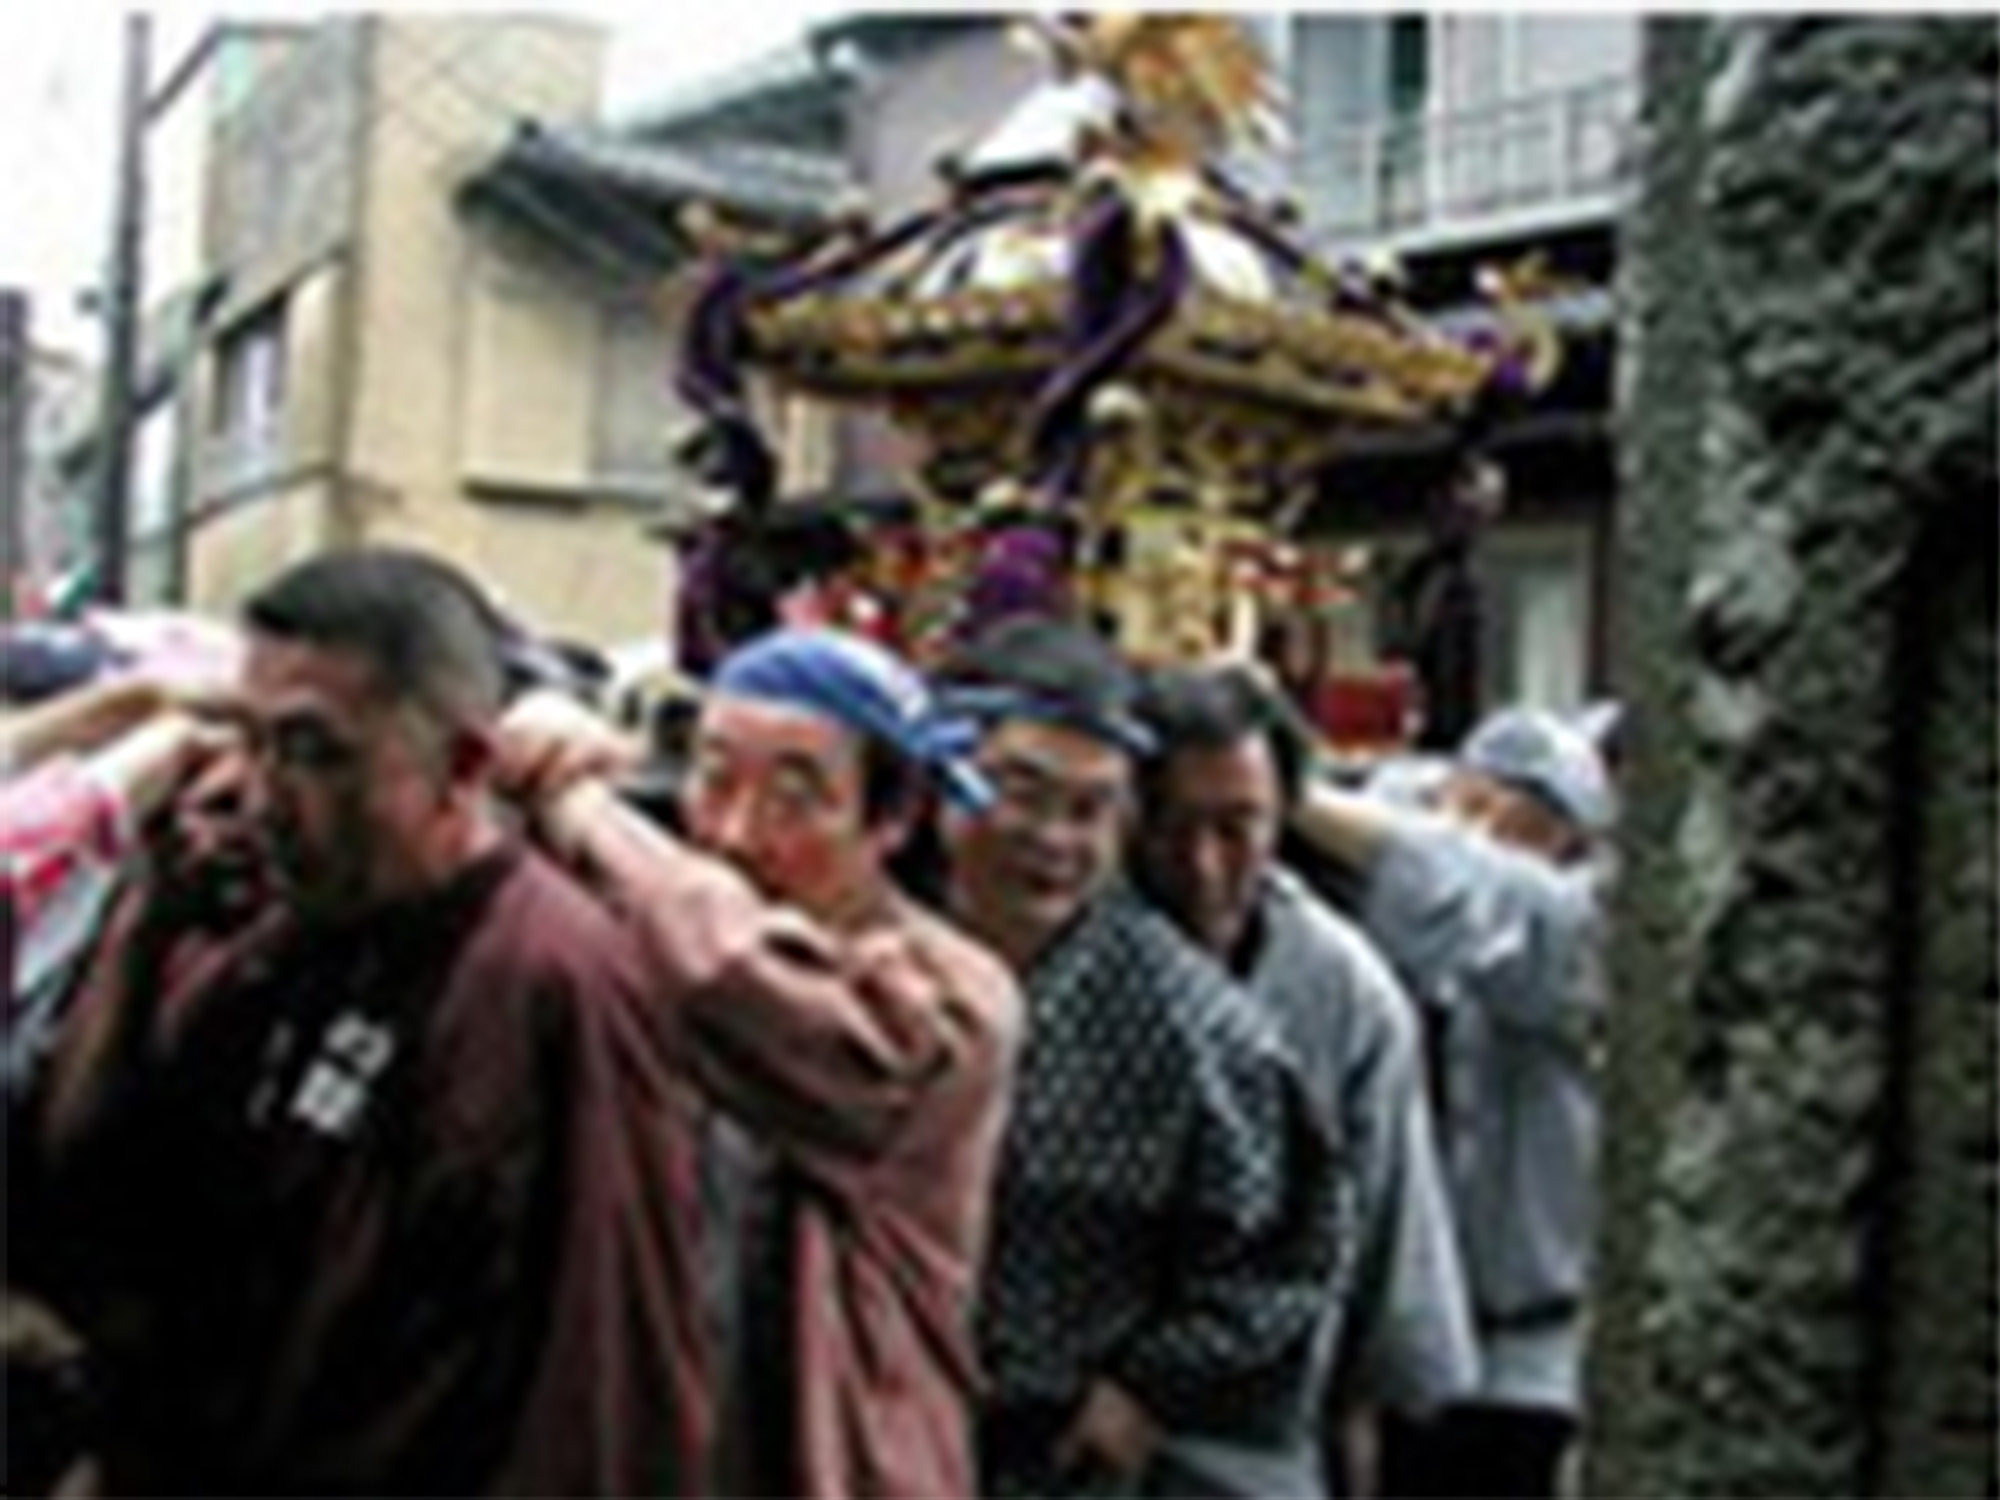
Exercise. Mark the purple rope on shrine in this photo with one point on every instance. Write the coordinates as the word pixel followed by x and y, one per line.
pixel 1246 221
pixel 715 344
pixel 811 275
pixel 709 377
pixel 1507 374
pixel 1111 315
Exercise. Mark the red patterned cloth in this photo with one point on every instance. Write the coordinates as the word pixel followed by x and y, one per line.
pixel 59 826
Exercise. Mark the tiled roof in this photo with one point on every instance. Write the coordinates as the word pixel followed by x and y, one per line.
pixel 763 180
pixel 763 142
pixel 611 196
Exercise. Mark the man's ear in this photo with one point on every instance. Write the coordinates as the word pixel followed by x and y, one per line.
pixel 892 830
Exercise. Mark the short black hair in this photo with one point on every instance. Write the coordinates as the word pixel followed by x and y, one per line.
pixel 761 557
pixel 1065 668
pixel 890 780
pixel 426 629
pixel 1214 707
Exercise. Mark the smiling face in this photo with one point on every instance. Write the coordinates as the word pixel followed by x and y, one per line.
pixel 1021 870
pixel 362 797
pixel 781 794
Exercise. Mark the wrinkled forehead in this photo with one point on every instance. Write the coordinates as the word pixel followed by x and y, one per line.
pixel 1239 775
pixel 756 732
pixel 288 677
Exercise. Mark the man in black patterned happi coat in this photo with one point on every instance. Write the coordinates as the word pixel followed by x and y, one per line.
pixel 1169 1213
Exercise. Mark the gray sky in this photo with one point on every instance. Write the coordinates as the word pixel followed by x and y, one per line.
pixel 59 82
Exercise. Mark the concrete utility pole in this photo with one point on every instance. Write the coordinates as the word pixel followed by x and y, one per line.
pixel 14 397
pixel 117 425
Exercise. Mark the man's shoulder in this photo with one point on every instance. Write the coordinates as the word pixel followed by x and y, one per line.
pixel 977 978
pixel 543 926
pixel 533 881
pixel 1319 935
pixel 1316 961
pixel 1194 993
pixel 1147 940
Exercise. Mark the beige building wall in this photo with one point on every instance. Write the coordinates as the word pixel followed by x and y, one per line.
pixel 441 389
pixel 587 573
pixel 242 548
pixel 529 354
pixel 474 377
pixel 315 371
pixel 533 520
pixel 249 503
pixel 276 210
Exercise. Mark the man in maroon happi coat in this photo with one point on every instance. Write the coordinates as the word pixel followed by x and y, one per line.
pixel 864 1045
pixel 384 1191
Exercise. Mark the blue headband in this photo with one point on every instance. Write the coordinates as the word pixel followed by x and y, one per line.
pixel 865 689
pixel 987 706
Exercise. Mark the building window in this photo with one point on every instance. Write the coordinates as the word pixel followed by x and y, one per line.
pixel 634 407
pixel 1538 616
pixel 246 415
pixel 1409 65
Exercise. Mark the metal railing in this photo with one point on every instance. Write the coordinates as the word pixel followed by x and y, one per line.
pixel 1429 172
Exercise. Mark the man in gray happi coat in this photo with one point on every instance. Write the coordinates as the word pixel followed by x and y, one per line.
pixel 1489 905
pixel 1398 1334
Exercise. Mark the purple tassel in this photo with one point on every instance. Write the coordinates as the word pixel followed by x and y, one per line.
pixel 709 378
pixel 1020 571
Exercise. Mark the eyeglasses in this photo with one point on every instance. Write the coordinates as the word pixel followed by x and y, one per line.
pixel 1028 793
pixel 315 743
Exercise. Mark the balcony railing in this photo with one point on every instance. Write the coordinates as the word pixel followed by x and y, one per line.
pixel 1439 172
